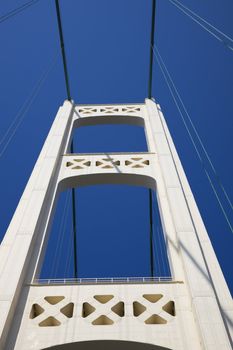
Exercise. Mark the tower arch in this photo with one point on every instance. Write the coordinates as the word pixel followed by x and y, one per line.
pixel 107 345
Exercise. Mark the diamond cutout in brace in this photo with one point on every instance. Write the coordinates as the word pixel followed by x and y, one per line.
pixel 119 309
pixel 152 298
pixel 127 162
pixel 107 167
pixel 110 163
pixel 131 109
pixel 137 166
pixel 87 310
pixel 102 321
pixel 82 163
pixel 101 164
pixel 50 322
pixel 170 308
pixel 88 163
pixel 36 310
pixel 107 159
pixel 77 167
pixel 103 299
pixel 137 162
pixel 53 300
pixel 68 310
pixel 155 319
pixel 138 308
pixel 87 110
pixel 109 110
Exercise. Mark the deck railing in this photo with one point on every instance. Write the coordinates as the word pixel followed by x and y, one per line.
pixel 113 280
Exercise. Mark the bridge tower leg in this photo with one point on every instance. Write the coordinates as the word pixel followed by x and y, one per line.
pixel 192 310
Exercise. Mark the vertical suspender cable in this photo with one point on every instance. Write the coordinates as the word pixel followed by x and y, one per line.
pixel 151 235
pixel 152 37
pixel 74 224
pixel 72 146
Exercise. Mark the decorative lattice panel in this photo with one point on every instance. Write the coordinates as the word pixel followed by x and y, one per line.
pixel 103 310
pixel 131 109
pixel 51 311
pixel 107 163
pixel 77 163
pixel 137 162
pixel 154 309
pixel 87 110
pixel 109 110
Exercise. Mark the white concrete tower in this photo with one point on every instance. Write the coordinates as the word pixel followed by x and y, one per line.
pixel 191 311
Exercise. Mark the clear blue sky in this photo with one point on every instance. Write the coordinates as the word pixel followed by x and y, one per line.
pixel 107 45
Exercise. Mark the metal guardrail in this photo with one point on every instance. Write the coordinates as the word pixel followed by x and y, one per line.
pixel 113 280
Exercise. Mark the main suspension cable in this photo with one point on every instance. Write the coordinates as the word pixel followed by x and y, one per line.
pixel 17 10
pixel 215 32
pixel 63 50
pixel 193 143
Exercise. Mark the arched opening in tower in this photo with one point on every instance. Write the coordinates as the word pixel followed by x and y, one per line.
pixel 118 226
pixel 113 235
pixel 108 345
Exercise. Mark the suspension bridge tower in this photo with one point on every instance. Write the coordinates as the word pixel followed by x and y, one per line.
pixel 192 309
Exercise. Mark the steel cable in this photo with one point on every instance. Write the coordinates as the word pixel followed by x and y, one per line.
pixel 68 92
pixel 17 121
pixel 196 18
pixel 60 237
pixel 193 142
pixel 196 133
pixel 17 10
pixel 160 238
pixel 69 253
